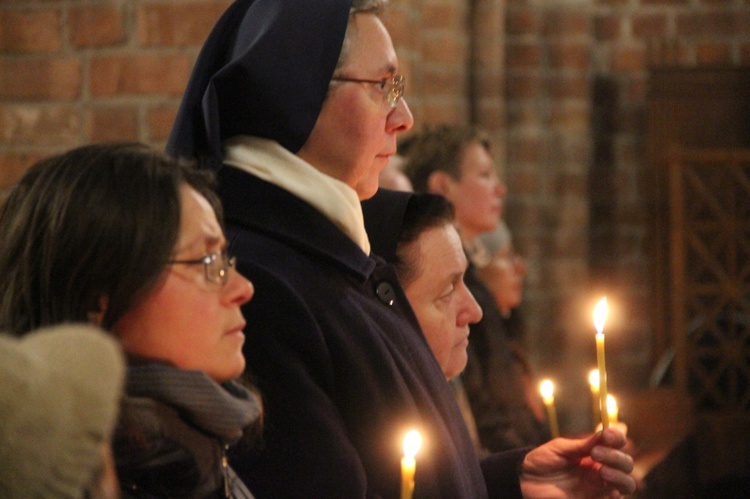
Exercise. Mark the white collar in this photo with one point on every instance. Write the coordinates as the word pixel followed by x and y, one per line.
pixel 268 160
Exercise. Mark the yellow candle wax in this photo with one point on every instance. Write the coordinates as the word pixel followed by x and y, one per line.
pixel 412 442
pixel 547 389
pixel 594 384
pixel 600 316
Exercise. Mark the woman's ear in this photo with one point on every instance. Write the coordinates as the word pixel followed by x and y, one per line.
pixel 439 183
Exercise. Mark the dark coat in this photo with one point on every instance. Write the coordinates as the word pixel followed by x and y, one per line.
pixel 173 431
pixel 343 367
pixel 498 381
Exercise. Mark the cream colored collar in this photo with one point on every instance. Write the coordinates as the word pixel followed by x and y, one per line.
pixel 269 161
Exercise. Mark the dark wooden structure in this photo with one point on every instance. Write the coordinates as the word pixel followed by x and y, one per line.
pixel 699 150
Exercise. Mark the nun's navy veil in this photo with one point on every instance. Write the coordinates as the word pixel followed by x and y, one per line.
pixel 384 215
pixel 263 71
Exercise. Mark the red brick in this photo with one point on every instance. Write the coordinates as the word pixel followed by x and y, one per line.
pixel 713 53
pixel 160 121
pixel 523 55
pixel 400 27
pixel 443 111
pixel 665 2
pixel 180 24
pixel 46 78
pixel 30 31
pixel 13 165
pixel 112 124
pixel 489 85
pixel 439 80
pixel 522 22
pixel 667 52
pixel 447 49
pixel 703 24
pixel 56 126
pixel 652 25
pixel 524 150
pixel 522 182
pixel 607 28
pixel 569 56
pixel 566 23
pixel 568 87
pixel 489 111
pixel 628 59
pixel 443 15
pixel 97 26
pixel 524 86
pixel 139 75
pixel 524 116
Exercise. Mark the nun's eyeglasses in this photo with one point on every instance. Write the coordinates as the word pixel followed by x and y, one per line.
pixel 392 87
pixel 216 266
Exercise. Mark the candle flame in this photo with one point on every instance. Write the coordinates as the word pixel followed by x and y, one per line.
pixel 600 315
pixel 611 404
pixel 547 388
pixel 412 443
pixel 594 379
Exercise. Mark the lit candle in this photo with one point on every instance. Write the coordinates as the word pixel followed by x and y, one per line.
pixel 612 410
pixel 547 388
pixel 600 316
pixel 412 442
pixel 594 384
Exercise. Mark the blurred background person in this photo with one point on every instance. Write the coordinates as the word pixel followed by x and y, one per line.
pixel 392 177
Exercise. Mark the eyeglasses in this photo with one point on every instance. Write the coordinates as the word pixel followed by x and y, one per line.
pixel 216 266
pixel 392 87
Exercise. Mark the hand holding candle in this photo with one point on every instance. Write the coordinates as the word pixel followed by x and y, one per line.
pixel 600 316
pixel 547 390
pixel 412 442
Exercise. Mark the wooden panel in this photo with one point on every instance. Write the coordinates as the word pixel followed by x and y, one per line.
pixel 686 108
pixel 709 194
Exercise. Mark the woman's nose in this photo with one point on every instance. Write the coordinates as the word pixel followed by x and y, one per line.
pixel 238 290
pixel 400 119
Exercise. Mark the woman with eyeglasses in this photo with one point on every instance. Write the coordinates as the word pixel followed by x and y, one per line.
pixel 130 240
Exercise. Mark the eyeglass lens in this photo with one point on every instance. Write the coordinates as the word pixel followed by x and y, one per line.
pixel 217 267
pixel 395 89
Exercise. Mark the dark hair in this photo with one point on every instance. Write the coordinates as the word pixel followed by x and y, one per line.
pixel 423 212
pixel 438 148
pixel 98 222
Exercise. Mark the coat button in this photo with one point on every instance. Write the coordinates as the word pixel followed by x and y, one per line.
pixel 386 293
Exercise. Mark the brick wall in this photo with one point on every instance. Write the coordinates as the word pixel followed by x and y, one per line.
pixel 581 198
pixel 76 71
pixel 561 84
